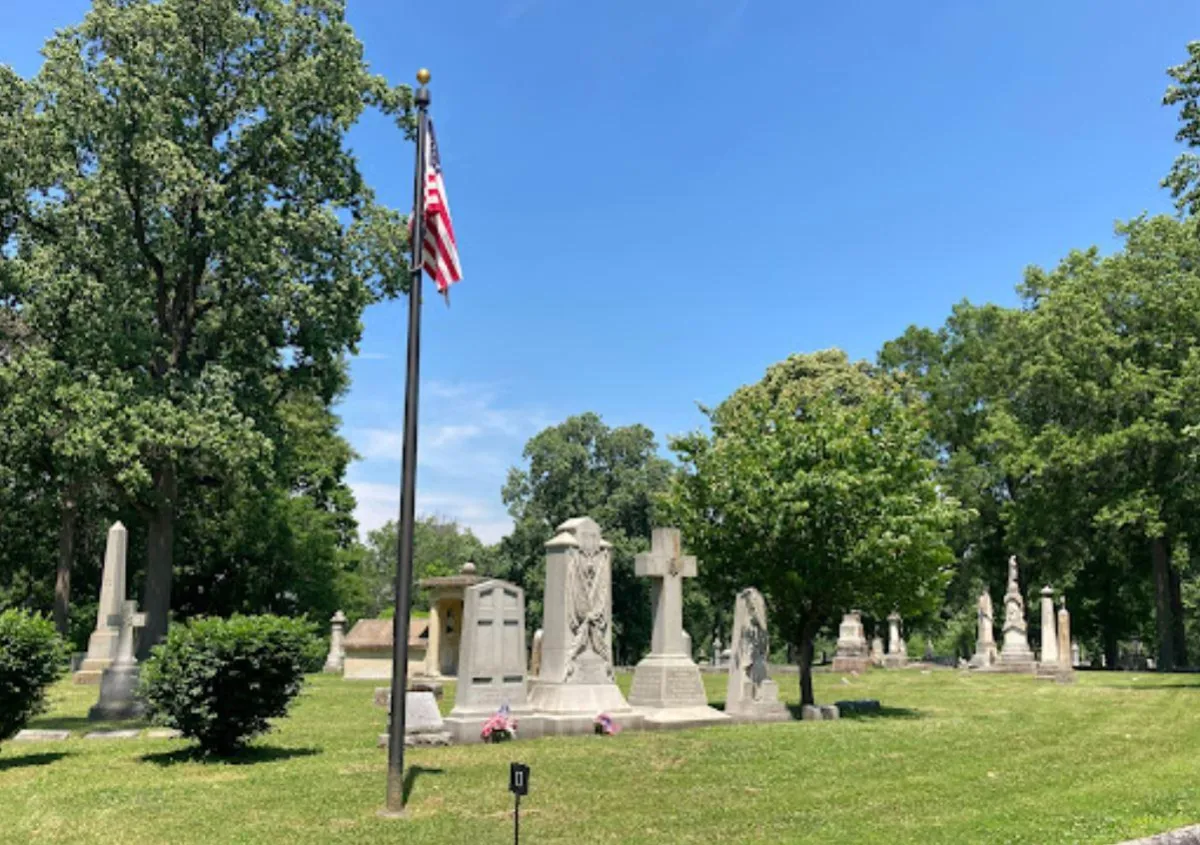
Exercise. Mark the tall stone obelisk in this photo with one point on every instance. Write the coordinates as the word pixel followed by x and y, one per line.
pixel 102 645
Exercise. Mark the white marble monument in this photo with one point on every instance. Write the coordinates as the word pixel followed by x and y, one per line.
pixel 1049 657
pixel 666 684
pixel 751 695
pixel 1015 655
pixel 335 661
pixel 851 654
pixel 491 659
pixel 102 645
pixel 985 637
pixel 877 653
pixel 897 653
pixel 575 681
pixel 119 682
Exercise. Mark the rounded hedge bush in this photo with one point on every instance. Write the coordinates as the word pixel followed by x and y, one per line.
pixel 31 658
pixel 220 681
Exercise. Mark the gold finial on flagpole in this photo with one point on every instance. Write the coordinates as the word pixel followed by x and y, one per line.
pixel 423 76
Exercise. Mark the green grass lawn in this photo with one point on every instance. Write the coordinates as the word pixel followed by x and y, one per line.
pixel 956 758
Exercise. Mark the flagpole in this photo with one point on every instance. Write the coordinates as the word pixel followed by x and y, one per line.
pixel 408 473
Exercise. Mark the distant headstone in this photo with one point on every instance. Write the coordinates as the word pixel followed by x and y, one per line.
pixel 102 645
pixel 876 651
pixel 535 654
pixel 1049 629
pixel 1076 658
pixel 897 655
pixel 34 735
pixel 666 683
pixel 124 734
pixel 811 713
pixel 336 659
pixel 423 723
pixel 491 658
pixel 929 656
pixel 985 638
pixel 716 651
pixel 119 682
pixel 851 654
pixel 751 695
pixel 830 711
pixel 575 681
pixel 1066 668
pixel 1015 656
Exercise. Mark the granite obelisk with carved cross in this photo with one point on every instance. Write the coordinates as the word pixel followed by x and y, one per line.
pixel 667 684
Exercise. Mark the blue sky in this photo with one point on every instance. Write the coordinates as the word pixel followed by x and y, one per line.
pixel 656 200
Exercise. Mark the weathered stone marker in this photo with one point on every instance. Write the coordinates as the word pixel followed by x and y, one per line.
pixel 335 661
pixel 1049 629
pixel 985 638
pixel 897 655
pixel 851 654
pixel 667 683
pixel 751 695
pixel 118 684
pixel 102 645
pixel 575 681
pixel 1015 656
pixel 491 658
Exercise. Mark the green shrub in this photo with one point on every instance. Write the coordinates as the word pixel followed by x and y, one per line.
pixel 31 658
pixel 219 681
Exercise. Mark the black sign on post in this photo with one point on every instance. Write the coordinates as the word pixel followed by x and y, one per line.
pixel 518 785
pixel 518 779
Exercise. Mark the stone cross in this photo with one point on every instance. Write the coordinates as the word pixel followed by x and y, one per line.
pixel 669 567
pixel 125 623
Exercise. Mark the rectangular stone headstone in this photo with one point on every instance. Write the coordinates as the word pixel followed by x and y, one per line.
pixel 33 735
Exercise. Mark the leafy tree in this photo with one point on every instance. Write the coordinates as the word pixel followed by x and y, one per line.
pixel 178 195
pixel 815 486
pixel 582 467
pixel 440 547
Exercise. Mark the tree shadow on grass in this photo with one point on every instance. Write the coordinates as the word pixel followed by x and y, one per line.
pixel 245 757
pixel 881 713
pixel 410 778
pixel 43 759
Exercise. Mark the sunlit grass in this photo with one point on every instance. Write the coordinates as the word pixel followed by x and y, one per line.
pixel 958 759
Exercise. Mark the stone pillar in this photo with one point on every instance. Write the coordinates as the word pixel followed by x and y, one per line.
pixel 336 659
pixel 433 666
pixel 1064 636
pixel 102 645
pixel 1049 628
pixel 985 638
pixel 897 654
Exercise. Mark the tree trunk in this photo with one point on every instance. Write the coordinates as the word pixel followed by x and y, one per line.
pixel 1178 636
pixel 160 542
pixel 1164 624
pixel 68 518
pixel 806 660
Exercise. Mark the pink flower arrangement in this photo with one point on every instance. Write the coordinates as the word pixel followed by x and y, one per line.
pixel 500 727
pixel 606 726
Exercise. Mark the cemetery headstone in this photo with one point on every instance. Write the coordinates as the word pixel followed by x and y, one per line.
pixel 575 681
pixel 423 723
pixel 716 651
pixel 851 654
pixel 876 651
pixel 491 658
pixel 751 695
pixel 1076 657
pixel 1015 655
pixel 1049 629
pixel 666 684
pixel 897 654
pixel 336 658
pixel 985 638
pixel 1066 667
pixel 119 682
pixel 102 645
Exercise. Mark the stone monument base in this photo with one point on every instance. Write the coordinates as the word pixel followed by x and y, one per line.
pixel 851 664
pixel 91 670
pixel 668 691
pixel 983 658
pixel 118 687
pixel 895 661
pixel 1014 661
pixel 464 726
pixel 768 708
pixel 567 709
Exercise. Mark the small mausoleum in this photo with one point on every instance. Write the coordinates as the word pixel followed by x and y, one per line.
pixel 446 594
pixel 369 649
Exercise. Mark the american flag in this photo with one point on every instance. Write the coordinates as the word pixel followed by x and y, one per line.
pixel 439 255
